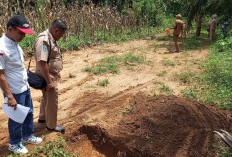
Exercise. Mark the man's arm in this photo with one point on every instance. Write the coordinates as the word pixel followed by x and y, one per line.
pixel 182 30
pixel 174 27
pixel 4 85
pixel 44 69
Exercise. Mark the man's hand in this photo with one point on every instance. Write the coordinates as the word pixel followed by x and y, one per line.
pixel 12 102
pixel 50 87
pixel 4 85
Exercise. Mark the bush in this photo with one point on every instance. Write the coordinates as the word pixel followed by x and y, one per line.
pixel 216 81
pixel 27 44
pixel 147 10
pixel 71 43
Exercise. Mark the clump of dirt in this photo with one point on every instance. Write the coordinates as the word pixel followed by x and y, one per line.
pixel 159 126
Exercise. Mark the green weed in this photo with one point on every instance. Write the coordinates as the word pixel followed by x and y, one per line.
pixel 192 42
pixel 162 73
pixel 189 93
pixel 88 69
pixel 157 82
pixel 166 89
pixel 124 111
pixel 128 110
pixel 221 149
pixel 103 83
pixel 52 148
pixel 186 77
pixel 71 75
pixel 168 63
pixel 163 38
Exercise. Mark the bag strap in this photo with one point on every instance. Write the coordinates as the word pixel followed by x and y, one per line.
pixel 29 64
pixel 49 53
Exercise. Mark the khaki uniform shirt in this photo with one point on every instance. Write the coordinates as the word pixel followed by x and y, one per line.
pixel 178 27
pixel 47 48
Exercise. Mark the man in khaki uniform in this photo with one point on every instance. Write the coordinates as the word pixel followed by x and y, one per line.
pixel 178 30
pixel 49 64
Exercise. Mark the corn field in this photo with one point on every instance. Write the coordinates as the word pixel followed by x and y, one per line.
pixel 87 20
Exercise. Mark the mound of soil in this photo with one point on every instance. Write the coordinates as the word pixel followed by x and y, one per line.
pixel 159 126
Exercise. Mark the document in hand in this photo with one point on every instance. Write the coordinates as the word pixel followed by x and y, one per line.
pixel 17 115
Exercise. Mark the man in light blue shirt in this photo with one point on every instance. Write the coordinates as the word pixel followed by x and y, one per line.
pixel 14 84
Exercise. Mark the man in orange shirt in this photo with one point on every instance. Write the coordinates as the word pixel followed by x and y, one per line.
pixel 178 30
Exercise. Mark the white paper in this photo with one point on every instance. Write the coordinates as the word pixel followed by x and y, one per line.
pixel 17 115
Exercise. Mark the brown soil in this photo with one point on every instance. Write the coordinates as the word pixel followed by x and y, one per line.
pixel 157 126
pixel 132 116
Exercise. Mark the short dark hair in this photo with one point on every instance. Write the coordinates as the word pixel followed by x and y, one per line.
pixel 59 24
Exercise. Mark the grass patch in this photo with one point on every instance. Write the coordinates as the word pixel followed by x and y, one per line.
pixel 157 82
pixel 103 83
pixel 71 75
pixel 186 77
pixel 220 148
pixel 189 93
pixel 162 73
pixel 88 69
pixel 111 64
pixel 215 83
pixel 166 89
pixel 192 42
pixel 128 109
pixel 156 47
pixel 168 63
pixel 163 38
pixel 51 148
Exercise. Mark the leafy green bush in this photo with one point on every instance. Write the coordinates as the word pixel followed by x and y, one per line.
pixel 147 10
pixel 27 44
pixel 223 44
pixel 216 80
pixel 71 43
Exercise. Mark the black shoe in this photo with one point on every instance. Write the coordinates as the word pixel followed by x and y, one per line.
pixel 57 129
pixel 41 121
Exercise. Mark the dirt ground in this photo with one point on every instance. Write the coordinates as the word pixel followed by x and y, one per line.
pixel 132 116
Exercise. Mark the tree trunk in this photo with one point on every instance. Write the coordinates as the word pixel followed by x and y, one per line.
pixel 199 21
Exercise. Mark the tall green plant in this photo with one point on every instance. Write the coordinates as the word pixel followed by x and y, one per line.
pixel 147 10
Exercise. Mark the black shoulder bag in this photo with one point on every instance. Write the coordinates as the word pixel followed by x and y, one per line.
pixel 35 80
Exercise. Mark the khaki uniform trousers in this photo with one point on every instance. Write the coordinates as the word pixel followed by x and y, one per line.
pixel 49 105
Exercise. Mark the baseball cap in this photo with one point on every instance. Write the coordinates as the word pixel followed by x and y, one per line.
pixel 20 23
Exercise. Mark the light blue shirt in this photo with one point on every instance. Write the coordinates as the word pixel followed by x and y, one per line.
pixel 12 61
